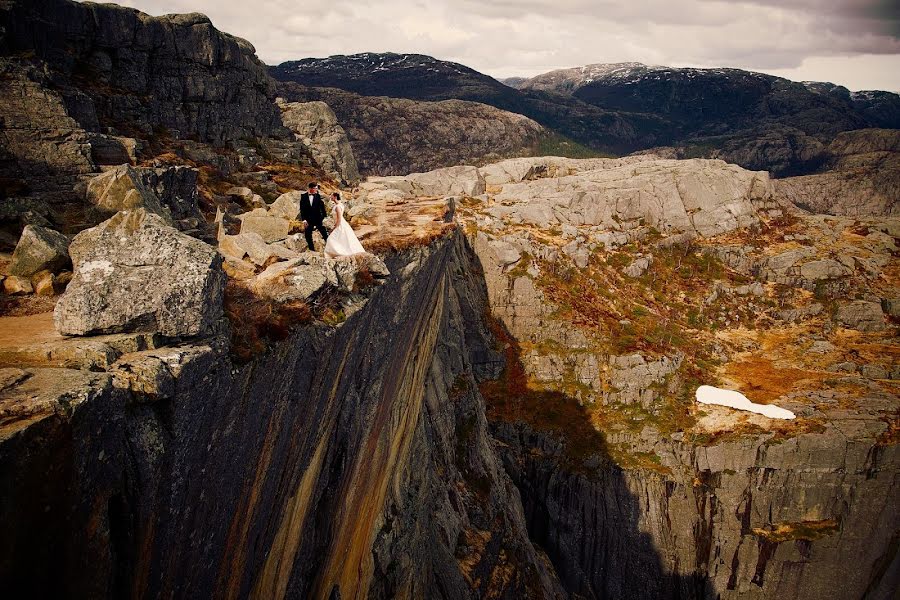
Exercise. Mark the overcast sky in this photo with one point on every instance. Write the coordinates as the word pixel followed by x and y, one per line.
pixel 855 43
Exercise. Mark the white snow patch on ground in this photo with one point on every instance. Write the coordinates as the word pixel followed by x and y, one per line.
pixel 707 394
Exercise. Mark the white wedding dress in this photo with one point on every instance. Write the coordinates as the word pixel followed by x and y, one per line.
pixel 342 241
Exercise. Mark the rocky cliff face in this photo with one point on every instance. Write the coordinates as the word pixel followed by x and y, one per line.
pixel 609 318
pixel 860 177
pixel 352 460
pixel 315 124
pixel 508 415
pixel 122 69
pixel 395 136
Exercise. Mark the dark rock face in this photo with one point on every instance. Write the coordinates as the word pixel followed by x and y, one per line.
pixel 630 534
pixel 122 68
pixel 90 85
pixel 396 136
pixel 353 461
pixel 859 176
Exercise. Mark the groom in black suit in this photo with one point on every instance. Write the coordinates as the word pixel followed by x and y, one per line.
pixel 312 213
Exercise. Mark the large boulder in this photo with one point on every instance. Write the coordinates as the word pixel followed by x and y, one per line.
pixel 134 272
pixel 175 188
pixel 271 227
pixel 39 249
pixel 123 188
pixel 861 315
pixel 315 124
pixel 287 205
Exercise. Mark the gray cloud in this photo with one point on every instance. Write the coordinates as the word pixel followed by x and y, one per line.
pixel 793 38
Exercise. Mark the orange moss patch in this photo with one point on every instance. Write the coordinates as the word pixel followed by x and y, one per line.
pixel 891 435
pixel 293 177
pixel 760 380
pixel 386 240
pixel 800 530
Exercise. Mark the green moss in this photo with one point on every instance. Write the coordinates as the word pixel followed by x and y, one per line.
pixel 559 145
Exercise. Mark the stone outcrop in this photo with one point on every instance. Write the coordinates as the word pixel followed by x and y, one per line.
pixel 395 136
pixel 39 249
pixel 271 228
pixel 697 197
pixel 176 189
pixel 173 71
pixel 123 188
pixel 862 315
pixel 315 124
pixel 136 273
pixel 860 177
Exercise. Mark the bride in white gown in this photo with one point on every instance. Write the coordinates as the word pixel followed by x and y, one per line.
pixel 341 241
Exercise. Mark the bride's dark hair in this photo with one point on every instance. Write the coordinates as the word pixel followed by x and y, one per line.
pixel 336 196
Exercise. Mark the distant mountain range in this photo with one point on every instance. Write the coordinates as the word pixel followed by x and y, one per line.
pixel 756 120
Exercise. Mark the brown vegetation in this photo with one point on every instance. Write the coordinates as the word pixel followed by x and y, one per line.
pixel 800 530
pixel 257 321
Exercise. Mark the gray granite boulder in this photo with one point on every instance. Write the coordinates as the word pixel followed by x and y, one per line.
pixel 134 272
pixel 861 315
pixel 39 249
pixel 123 188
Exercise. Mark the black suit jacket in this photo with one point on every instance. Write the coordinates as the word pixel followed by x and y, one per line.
pixel 312 210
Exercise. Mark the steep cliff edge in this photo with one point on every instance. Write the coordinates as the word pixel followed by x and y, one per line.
pixel 353 459
pixel 509 415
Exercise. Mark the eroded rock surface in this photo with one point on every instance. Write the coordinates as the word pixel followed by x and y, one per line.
pixel 315 124
pixel 136 273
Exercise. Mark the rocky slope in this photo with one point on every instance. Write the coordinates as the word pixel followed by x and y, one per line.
pixel 394 136
pixel 860 176
pixel 89 86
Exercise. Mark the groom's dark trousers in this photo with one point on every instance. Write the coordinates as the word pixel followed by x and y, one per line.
pixel 309 231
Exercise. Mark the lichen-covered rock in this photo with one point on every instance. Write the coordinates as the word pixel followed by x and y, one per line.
pixel 315 124
pixel 39 248
pixel 123 188
pixel 271 227
pixel 861 315
pixel 134 272
pixel 176 190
